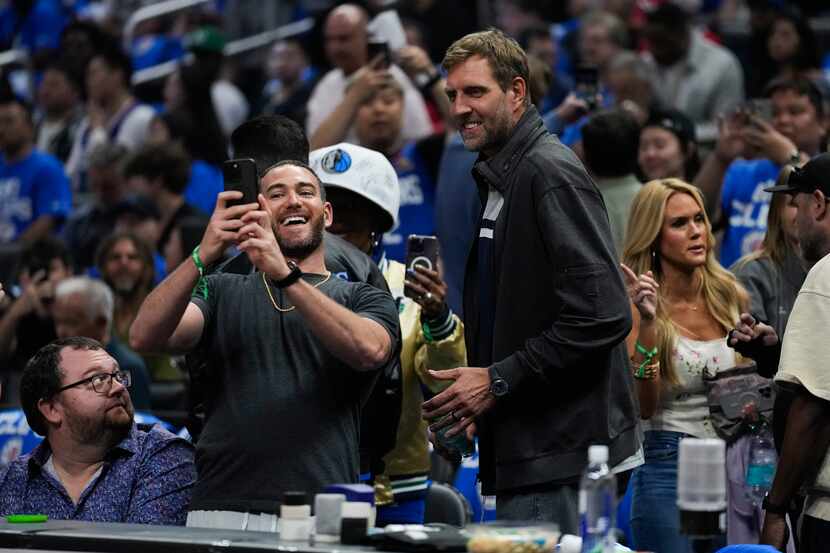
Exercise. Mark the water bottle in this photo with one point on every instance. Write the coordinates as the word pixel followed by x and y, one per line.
pixel 760 469
pixel 597 503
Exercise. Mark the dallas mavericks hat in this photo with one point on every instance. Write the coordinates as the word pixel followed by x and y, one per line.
pixel 360 170
pixel 815 175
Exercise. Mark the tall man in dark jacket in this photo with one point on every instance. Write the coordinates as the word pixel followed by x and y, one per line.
pixel 544 304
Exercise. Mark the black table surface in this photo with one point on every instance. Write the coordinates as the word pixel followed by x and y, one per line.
pixel 106 537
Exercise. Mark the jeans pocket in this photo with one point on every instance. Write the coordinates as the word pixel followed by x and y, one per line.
pixel 661 446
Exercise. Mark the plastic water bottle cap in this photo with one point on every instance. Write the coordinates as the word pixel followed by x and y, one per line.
pixel 570 544
pixel 598 454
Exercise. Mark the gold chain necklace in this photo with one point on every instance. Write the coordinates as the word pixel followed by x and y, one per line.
pixel 293 307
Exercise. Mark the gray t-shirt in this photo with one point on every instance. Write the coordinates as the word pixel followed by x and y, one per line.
pixel 282 412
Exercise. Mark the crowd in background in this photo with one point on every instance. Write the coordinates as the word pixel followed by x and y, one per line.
pixel 110 174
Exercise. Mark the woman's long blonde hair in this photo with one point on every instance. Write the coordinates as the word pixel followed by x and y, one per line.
pixel 722 294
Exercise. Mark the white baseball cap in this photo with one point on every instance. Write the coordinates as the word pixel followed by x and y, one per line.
pixel 362 171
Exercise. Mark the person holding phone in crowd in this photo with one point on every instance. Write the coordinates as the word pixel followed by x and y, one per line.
pixel 683 304
pixel 298 351
pixel 362 187
pixel 531 345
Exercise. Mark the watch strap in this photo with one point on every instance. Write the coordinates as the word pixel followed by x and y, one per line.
pixel 291 278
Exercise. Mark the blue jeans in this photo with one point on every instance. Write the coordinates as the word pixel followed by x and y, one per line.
pixel 655 519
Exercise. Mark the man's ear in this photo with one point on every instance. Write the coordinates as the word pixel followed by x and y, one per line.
pixel 328 214
pixel 519 89
pixel 820 200
pixel 50 411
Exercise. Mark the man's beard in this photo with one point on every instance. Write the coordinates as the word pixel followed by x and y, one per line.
pixel 303 248
pixel 109 429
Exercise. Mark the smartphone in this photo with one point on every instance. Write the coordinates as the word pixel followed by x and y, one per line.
pixel 380 47
pixel 241 174
pixel 423 251
pixel 761 108
pixel 586 85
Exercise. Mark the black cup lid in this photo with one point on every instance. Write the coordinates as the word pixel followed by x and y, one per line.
pixel 294 498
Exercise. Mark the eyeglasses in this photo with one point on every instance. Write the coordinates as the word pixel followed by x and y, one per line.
pixel 102 382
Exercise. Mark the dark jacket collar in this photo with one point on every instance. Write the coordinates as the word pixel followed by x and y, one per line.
pixel 128 445
pixel 527 130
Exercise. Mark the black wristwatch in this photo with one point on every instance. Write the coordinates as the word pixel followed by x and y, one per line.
pixel 291 278
pixel 498 385
pixel 774 508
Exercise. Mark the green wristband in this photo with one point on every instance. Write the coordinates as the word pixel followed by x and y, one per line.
pixel 649 354
pixel 197 261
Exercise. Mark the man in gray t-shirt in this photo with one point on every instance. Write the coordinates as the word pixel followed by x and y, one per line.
pixel 296 350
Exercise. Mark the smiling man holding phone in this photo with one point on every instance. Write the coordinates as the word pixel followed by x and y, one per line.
pixel 297 351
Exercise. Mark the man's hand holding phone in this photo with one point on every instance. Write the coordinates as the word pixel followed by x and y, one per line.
pixel 370 78
pixel 256 238
pixel 767 141
pixel 222 230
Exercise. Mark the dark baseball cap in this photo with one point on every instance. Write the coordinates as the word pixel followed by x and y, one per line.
pixel 675 122
pixel 815 175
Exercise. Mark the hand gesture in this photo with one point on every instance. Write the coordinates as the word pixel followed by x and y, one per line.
pixel 222 228
pixel 642 291
pixel 748 329
pixel 369 79
pixel 256 238
pixel 430 290
pixel 731 143
pixel 414 61
pixel 34 288
pixel 571 109
pixel 768 141
pixel 468 397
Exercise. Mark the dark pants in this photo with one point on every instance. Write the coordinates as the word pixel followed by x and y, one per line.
pixel 559 505
pixel 814 536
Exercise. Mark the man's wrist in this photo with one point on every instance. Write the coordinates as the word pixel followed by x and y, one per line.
pixel 289 276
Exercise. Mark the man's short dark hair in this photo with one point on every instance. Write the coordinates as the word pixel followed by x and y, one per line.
pixel 169 162
pixel 610 141
pixel 269 139
pixel 39 254
pixel 64 67
pixel 114 57
pixel 801 86
pixel 11 99
pixel 42 377
pixel 307 167
pixel 670 16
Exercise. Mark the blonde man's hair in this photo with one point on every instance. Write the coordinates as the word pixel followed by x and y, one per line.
pixel 506 58
pixel 723 295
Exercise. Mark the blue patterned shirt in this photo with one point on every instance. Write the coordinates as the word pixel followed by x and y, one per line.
pixel 145 479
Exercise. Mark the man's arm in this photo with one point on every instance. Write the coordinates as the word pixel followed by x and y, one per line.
pixel 595 314
pixel 39 228
pixel 166 320
pixel 360 342
pixel 162 490
pixel 806 438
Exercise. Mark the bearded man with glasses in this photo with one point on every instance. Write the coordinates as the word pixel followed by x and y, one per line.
pixel 96 463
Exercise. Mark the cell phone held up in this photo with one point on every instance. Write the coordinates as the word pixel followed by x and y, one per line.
pixel 241 175
pixel 420 251
pixel 586 85
pixel 377 47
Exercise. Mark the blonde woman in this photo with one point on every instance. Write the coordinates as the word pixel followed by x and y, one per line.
pixel 684 303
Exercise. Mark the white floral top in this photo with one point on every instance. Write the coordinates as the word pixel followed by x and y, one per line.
pixel 683 407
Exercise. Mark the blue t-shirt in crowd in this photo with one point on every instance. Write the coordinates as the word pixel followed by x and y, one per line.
pixel 206 182
pixel 40 30
pixel 415 215
pixel 30 188
pixel 744 206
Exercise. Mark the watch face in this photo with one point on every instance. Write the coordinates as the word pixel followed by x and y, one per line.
pixel 498 387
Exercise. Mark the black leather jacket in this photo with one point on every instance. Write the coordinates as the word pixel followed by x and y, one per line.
pixel 561 318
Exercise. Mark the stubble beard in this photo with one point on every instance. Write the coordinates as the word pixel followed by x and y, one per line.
pixel 300 249
pixel 108 430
